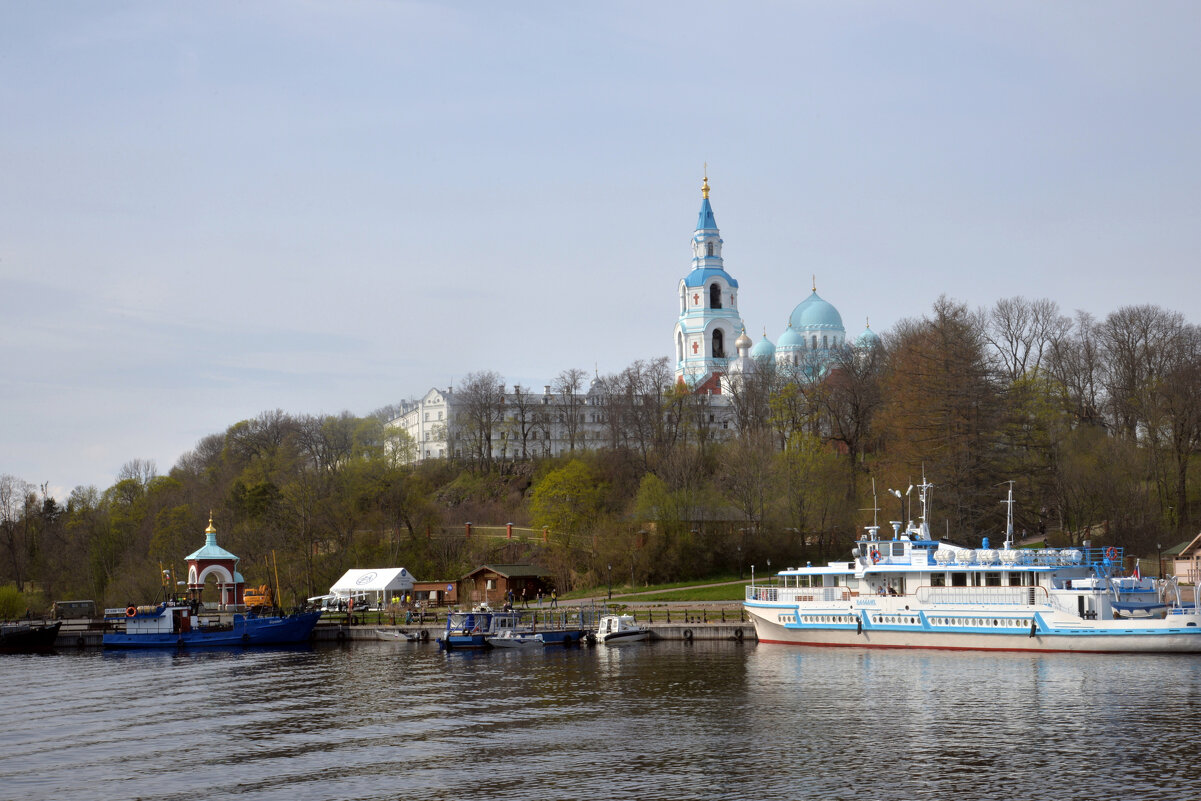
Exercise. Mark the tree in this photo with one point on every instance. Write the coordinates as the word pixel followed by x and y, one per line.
pixel 568 385
pixel 1022 331
pixel 943 408
pixel 481 395
pixel 568 500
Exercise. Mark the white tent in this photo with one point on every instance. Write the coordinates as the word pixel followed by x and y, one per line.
pixel 378 584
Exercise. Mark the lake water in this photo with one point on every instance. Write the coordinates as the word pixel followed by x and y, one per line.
pixel 645 721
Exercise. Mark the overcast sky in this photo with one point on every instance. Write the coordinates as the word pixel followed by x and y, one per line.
pixel 208 210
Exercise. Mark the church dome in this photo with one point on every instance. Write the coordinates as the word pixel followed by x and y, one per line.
pixel 742 342
pixel 763 349
pixel 815 314
pixel 868 339
pixel 790 339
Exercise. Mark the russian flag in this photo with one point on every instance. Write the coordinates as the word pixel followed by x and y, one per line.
pixel 1137 575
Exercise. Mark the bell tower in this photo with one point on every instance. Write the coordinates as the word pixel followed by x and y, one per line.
pixel 708 296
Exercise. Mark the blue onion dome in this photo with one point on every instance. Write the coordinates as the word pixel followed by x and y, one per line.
pixel 815 314
pixel 763 349
pixel 868 339
pixel 790 339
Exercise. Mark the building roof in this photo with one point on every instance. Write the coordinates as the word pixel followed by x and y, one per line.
pixel 513 571
pixel 384 579
pixel 210 550
pixel 701 275
pixel 815 313
pixel 763 349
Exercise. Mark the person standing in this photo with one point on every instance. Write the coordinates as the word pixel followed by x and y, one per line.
pixel 554 599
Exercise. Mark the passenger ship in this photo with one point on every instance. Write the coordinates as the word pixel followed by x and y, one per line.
pixel 912 591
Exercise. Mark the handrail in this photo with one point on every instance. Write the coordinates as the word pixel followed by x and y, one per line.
pixel 1018 596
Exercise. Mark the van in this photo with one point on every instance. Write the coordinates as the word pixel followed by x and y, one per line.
pixel 66 610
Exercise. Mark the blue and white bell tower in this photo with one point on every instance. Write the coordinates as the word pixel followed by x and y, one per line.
pixel 709 320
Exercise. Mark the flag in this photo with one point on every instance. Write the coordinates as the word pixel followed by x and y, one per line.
pixel 1137 575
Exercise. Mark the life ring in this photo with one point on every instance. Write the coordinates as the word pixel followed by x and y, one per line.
pixel 341 635
pixel 875 555
pixel 130 611
pixel 425 635
pixel 738 635
pixel 1111 553
pixel 688 635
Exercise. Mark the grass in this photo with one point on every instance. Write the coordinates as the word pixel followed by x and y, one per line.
pixel 675 591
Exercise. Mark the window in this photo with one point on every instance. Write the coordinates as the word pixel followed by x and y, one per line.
pixel 938 579
pixel 491 584
pixel 714 296
pixel 825 341
pixel 814 345
pixel 719 345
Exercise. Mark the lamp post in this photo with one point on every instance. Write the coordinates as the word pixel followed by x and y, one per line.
pixel 1159 560
pixel 610 582
pixel 739 562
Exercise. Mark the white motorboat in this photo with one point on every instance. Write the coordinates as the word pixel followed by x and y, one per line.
pixel 396 635
pixel 620 629
pixel 512 639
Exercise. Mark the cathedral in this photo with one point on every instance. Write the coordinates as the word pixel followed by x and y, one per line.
pixel 711 344
pixel 712 354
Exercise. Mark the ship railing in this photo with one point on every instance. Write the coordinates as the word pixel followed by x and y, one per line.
pixel 1009 596
pixel 791 595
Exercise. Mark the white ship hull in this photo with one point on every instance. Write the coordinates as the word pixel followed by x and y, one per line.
pixel 977 629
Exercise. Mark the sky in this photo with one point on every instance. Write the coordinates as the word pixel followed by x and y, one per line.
pixel 213 209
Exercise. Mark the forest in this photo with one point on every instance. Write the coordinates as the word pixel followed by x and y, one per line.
pixel 1095 421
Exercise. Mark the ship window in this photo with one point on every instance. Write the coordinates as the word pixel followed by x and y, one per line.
pixel 938 579
pixel 898 549
pixel 993 579
pixel 959 579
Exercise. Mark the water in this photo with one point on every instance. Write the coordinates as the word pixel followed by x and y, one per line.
pixel 645 721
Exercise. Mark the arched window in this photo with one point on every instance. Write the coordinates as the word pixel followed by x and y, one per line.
pixel 714 296
pixel 709 248
pixel 825 341
pixel 679 347
pixel 814 342
pixel 719 344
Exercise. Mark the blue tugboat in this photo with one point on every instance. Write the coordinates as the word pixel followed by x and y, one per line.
pixel 172 625
pixel 180 623
pixel 474 629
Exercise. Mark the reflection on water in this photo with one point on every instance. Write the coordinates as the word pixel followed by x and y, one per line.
pixel 659 720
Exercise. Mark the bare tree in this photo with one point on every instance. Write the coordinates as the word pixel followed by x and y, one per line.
pixel 1021 331
pixel 482 402
pixel 568 385
pixel 1076 364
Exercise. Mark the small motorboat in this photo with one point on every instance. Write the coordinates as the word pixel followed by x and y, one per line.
pixel 620 629
pixel 396 635
pixel 513 639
